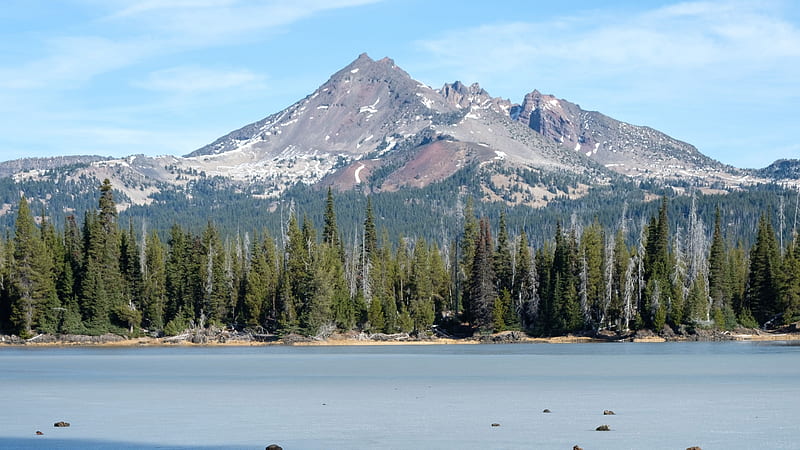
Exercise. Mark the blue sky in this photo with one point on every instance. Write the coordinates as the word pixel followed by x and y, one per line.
pixel 121 77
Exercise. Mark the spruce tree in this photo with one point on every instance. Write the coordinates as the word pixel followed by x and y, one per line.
pixel 34 302
pixel 154 284
pixel 789 289
pixel 593 261
pixel 330 231
pixel 502 258
pixel 764 273
pixel 421 307
pixel 469 239
pixel 482 292
pixel 102 283
pixel 524 295
pixel 718 287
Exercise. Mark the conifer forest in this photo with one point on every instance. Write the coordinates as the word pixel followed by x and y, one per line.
pixel 93 275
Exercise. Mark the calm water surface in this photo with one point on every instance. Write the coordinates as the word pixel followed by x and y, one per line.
pixel 732 395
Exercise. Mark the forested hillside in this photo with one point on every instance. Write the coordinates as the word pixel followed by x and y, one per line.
pixel 302 274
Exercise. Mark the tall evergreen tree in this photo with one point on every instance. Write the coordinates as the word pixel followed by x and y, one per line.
pixel 566 311
pixel 762 289
pixel 33 299
pixel 101 290
pixel 482 292
pixel 524 294
pixel 718 287
pixel 789 288
pixel 592 262
pixel 502 258
pixel 261 283
pixel 154 279
pixel 469 239
pixel 330 231
pixel 421 307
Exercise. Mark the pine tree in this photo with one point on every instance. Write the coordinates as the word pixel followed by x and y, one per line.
pixel 482 292
pixel 656 266
pixel 764 273
pixel 370 231
pixel 421 307
pixel 502 258
pixel 789 290
pixel 101 290
pixel 565 310
pixel 33 298
pixel 593 261
pixel 154 284
pixel 524 294
pixel 469 239
pixel 215 304
pixel 130 265
pixel 330 231
pixel 718 287
pixel 261 282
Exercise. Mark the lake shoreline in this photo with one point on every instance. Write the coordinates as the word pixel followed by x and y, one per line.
pixel 225 339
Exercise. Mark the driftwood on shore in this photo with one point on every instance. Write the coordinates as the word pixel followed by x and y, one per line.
pixel 220 336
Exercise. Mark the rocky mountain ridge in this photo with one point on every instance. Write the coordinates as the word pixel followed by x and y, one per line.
pixel 371 126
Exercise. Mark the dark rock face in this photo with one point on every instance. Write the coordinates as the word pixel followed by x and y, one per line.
pixel 61 424
pixel 629 149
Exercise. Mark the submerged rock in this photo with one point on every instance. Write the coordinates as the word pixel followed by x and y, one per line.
pixel 603 428
pixel 61 424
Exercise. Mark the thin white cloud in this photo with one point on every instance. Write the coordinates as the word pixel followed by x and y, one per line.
pixel 726 38
pixel 188 80
pixel 71 61
pixel 212 22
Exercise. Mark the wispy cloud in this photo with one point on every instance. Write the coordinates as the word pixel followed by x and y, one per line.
pixel 71 61
pixel 212 22
pixel 720 39
pixel 188 80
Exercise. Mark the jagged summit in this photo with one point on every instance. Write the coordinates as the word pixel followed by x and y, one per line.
pixel 372 126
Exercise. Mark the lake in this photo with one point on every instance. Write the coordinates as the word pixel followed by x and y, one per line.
pixel 727 395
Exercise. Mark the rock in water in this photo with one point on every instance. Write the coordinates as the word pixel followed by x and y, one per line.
pixel 694 448
pixel 495 424
pixel 546 411
pixel 39 433
pixel 575 447
pixel 274 447
pixel 608 412
pixel 603 428
pixel 61 424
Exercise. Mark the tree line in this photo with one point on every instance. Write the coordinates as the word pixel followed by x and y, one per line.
pixel 101 276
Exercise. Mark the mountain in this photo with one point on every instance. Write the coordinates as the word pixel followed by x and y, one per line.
pixel 782 169
pixel 372 117
pixel 372 128
pixel 631 150
pixel 351 127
